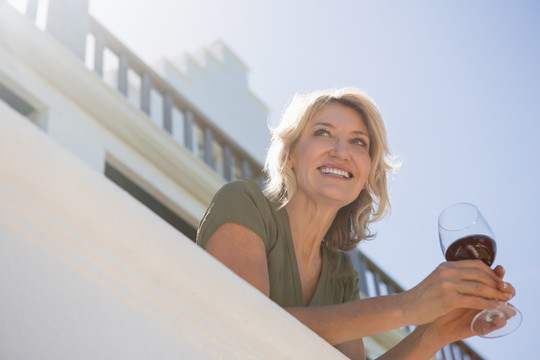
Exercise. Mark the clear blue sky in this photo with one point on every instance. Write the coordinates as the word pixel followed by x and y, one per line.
pixel 458 83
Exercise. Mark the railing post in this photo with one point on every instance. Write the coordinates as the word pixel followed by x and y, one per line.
pixel 246 169
pixel 361 269
pixel 123 65
pixel 377 279
pixel 98 54
pixel 227 163
pixel 167 112
pixel 188 130
pixel 146 87
pixel 208 151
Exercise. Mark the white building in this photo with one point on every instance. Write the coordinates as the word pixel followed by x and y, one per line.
pixel 102 185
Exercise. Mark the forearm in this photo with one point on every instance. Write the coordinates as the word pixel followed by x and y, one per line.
pixel 353 320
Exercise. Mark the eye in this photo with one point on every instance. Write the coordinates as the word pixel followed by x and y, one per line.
pixel 360 141
pixel 322 132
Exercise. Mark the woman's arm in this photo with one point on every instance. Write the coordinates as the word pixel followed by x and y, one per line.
pixel 452 286
pixel 242 251
pixel 426 340
pixel 462 284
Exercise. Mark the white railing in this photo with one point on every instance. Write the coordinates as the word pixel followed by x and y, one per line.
pixel 200 136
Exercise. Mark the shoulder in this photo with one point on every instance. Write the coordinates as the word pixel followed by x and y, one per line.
pixel 244 188
pixel 241 202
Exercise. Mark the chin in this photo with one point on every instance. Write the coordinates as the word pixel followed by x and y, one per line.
pixel 339 197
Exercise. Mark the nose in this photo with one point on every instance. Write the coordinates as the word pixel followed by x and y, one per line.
pixel 340 150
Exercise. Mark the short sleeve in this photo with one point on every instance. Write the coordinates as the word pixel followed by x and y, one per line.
pixel 353 283
pixel 343 283
pixel 356 289
pixel 241 202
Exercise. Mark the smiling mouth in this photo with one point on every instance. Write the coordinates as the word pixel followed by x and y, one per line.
pixel 336 172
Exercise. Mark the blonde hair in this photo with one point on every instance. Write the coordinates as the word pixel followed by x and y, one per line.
pixel 351 223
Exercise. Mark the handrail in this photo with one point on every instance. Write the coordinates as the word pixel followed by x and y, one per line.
pixel 216 149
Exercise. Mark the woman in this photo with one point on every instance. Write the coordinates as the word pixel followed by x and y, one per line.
pixel 327 167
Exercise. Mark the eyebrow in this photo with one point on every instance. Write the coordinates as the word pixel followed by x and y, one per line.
pixel 360 132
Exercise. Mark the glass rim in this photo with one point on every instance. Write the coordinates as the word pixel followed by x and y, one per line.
pixel 473 222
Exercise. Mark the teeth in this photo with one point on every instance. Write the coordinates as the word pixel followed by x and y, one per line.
pixel 337 172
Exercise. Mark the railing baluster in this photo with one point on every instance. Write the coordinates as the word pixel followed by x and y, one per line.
pixel 167 112
pixel 208 151
pixel 146 86
pixel 443 354
pixel 360 265
pixel 99 50
pixel 246 169
pixel 188 130
pixel 227 163
pixel 123 65
pixel 377 277
pixel 451 347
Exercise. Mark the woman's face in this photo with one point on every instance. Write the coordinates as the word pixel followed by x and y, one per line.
pixel 331 157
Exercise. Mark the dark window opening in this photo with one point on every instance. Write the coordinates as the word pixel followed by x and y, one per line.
pixel 151 202
pixel 15 101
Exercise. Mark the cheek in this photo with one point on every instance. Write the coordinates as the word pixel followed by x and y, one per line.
pixel 364 164
pixel 299 155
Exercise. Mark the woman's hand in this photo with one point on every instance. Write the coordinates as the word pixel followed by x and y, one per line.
pixel 455 324
pixel 465 284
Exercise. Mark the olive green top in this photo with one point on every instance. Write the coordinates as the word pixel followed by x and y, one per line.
pixel 242 202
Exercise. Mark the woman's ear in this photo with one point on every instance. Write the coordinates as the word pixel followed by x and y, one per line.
pixel 290 161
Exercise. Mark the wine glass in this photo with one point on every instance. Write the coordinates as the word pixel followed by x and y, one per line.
pixel 464 234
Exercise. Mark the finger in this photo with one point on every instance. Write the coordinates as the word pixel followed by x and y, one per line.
pixel 478 302
pixel 508 288
pixel 499 270
pixel 476 269
pixel 479 274
pixel 504 286
pixel 474 275
pixel 471 288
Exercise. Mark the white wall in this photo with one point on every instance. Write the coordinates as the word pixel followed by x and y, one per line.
pixel 95 122
pixel 89 273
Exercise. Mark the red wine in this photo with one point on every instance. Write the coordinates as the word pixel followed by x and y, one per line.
pixel 472 247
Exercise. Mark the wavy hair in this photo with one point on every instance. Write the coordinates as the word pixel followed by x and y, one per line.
pixel 350 225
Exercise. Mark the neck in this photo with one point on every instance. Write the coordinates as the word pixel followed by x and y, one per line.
pixel 309 224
